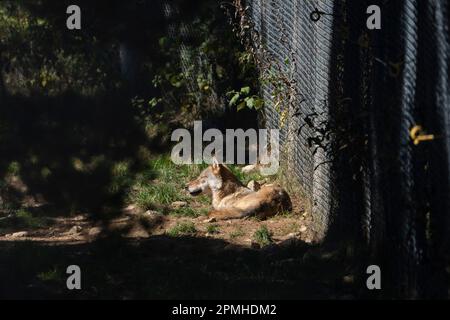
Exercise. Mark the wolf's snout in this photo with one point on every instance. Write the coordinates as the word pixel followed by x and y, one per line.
pixel 193 191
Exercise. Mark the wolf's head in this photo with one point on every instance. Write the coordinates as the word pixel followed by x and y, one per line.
pixel 211 179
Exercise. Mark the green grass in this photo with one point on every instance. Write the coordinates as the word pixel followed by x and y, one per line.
pixel 243 177
pixel 155 195
pixel 182 229
pixel 237 233
pixel 212 229
pixel 204 211
pixel 206 200
pixel 186 212
pixel 284 214
pixel 163 183
pixel 263 236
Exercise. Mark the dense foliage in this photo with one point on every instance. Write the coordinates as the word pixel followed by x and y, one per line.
pixel 82 111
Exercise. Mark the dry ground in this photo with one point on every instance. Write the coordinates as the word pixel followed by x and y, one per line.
pixel 137 223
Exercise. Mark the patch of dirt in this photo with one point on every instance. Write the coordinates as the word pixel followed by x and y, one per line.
pixel 135 223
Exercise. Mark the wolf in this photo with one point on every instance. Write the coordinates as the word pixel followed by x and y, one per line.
pixel 232 200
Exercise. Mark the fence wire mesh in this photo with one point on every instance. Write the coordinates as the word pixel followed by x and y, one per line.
pixel 347 126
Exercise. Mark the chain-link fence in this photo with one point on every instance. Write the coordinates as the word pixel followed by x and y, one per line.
pixel 364 118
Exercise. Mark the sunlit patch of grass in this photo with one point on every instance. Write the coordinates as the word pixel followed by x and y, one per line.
pixel 164 167
pixel 203 199
pixel 168 171
pixel 182 228
pixel 186 212
pixel 149 196
pixel 120 169
pixel 245 177
pixel 263 236
pixel 163 183
pixel 203 211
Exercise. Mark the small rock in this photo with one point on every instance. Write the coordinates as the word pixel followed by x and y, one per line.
pixel 178 204
pixel 74 230
pixel 302 228
pixel 79 217
pixel 253 185
pixel 348 279
pixel 19 234
pixel 94 231
pixel 129 209
pixel 308 240
pixel 151 213
pixel 250 168
pixel 291 235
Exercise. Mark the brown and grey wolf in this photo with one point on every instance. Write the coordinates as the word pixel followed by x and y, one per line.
pixel 231 199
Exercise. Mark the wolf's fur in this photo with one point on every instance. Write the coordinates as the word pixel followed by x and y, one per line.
pixel 231 199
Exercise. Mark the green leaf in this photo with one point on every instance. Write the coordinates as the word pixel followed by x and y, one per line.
pixel 163 42
pixel 241 106
pixel 234 99
pixel 245 90
pixel 250 102
pixel 220 71
pixel 258 103
pixel 176 81
pixel 154 101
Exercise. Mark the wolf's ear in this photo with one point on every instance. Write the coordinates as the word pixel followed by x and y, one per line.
pixel 215 163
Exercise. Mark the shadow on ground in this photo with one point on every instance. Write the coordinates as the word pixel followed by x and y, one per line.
pixel 162 267
pixel 71 152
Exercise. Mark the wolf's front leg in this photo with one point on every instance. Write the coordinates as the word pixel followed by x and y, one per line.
pixel 227 213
